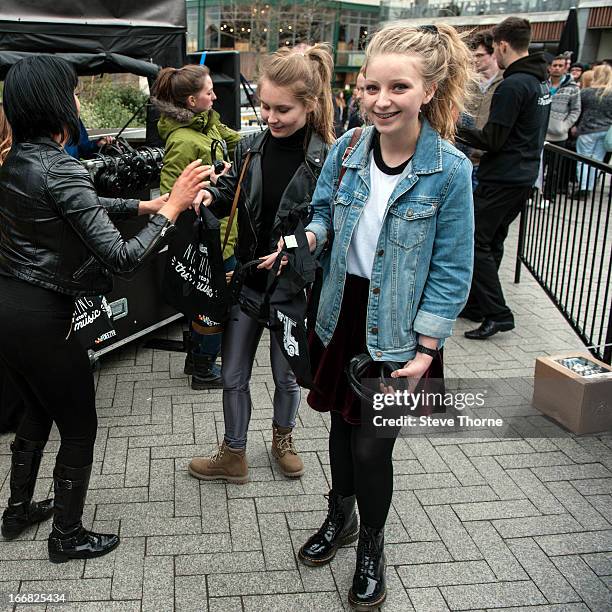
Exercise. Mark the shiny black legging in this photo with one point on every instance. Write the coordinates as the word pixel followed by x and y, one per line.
pixel 51 372
pixel 362 465
pixel 240 341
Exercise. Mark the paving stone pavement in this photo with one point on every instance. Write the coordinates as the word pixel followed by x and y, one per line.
pixel 476 524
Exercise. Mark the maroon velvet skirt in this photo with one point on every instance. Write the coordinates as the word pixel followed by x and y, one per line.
pixel 331 389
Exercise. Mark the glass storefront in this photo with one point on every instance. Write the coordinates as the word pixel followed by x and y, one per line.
pixel 258 27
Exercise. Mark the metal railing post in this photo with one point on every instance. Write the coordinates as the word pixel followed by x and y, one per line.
pixel 607 353
pixel 519 248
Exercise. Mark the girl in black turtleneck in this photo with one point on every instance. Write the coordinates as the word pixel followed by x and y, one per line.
pixel 283 164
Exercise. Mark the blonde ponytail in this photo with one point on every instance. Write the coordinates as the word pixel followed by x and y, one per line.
pixel 446 62
pixel 308 76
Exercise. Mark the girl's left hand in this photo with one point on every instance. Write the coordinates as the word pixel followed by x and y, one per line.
pixel 150 207
pixel 413 370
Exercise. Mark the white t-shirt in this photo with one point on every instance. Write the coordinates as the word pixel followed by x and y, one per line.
pixel 383 180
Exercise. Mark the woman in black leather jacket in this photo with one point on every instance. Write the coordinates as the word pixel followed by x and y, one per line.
pixel 57 242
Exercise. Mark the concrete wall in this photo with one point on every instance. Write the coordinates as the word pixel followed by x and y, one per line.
pixel 605 45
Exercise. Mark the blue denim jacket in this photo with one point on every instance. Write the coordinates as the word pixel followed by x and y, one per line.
pixel 423 265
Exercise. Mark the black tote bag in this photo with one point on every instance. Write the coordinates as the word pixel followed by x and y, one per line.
pixel 194 281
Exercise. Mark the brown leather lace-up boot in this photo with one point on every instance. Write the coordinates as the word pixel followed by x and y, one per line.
pixel 284 452
pixel 227 464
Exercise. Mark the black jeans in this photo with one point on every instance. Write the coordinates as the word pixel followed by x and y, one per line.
pixel 495 208
pixel 50 370
pixel 362 465
pixel 557 172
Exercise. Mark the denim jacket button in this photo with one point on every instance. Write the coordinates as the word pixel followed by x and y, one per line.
pixel 376 290
pixel 410 212
pixel 374 330
pixel 381 252
pixel 378 354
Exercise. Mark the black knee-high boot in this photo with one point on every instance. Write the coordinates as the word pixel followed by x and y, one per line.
pixel 21 511
pixel 369 585
pixel 69 539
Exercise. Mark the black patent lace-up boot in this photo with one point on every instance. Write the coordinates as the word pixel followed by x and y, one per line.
pixel 369 585
pixel 69 539
pixel 339 528
pixel 21 511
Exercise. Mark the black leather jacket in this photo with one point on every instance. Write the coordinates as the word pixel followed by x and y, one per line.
pixel 56 232
pixel 296 197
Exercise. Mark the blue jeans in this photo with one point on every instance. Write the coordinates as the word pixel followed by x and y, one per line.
pixel 210 344
pixel 474 178
pixel 589 145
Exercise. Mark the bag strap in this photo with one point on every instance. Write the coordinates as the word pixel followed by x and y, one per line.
pixel 230 221
pixel 354 138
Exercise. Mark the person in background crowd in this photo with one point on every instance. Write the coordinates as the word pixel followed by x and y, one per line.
pixel 355 113
pixel 284 163
pixel 576 71
pixel 189 126
pixel 396 273
pixel 564 112
pixel 591 129
pixel 586 80
pixel 512 140
pixel 567 58
pixel 340 111
pixel 490 76
pixel 85 147
pixel 57 242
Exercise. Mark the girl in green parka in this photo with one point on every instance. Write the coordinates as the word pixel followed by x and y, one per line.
pixel 188 125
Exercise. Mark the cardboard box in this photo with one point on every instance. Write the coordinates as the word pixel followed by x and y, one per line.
pixel 579 398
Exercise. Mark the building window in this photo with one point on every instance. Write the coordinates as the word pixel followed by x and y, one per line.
pixel 192 29
pixel 354 31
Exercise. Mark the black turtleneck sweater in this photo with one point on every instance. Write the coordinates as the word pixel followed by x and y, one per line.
pixel 281 159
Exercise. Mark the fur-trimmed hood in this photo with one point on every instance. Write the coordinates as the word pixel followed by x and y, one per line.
pixel 175 117
pixel 182 115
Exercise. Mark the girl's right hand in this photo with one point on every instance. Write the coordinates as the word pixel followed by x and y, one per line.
pixel 188 185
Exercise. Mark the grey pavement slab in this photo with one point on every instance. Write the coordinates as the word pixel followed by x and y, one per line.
pixel 543 572
pixel 482 522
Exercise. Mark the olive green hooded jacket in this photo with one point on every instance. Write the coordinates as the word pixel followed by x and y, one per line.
pixel 187 137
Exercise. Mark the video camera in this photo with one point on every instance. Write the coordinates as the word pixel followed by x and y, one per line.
pixel 122 170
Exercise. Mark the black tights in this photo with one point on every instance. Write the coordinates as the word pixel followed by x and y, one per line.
pixel 51 372
pixel 362 465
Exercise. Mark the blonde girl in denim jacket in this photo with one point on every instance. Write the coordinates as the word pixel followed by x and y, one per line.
pixel 396 237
